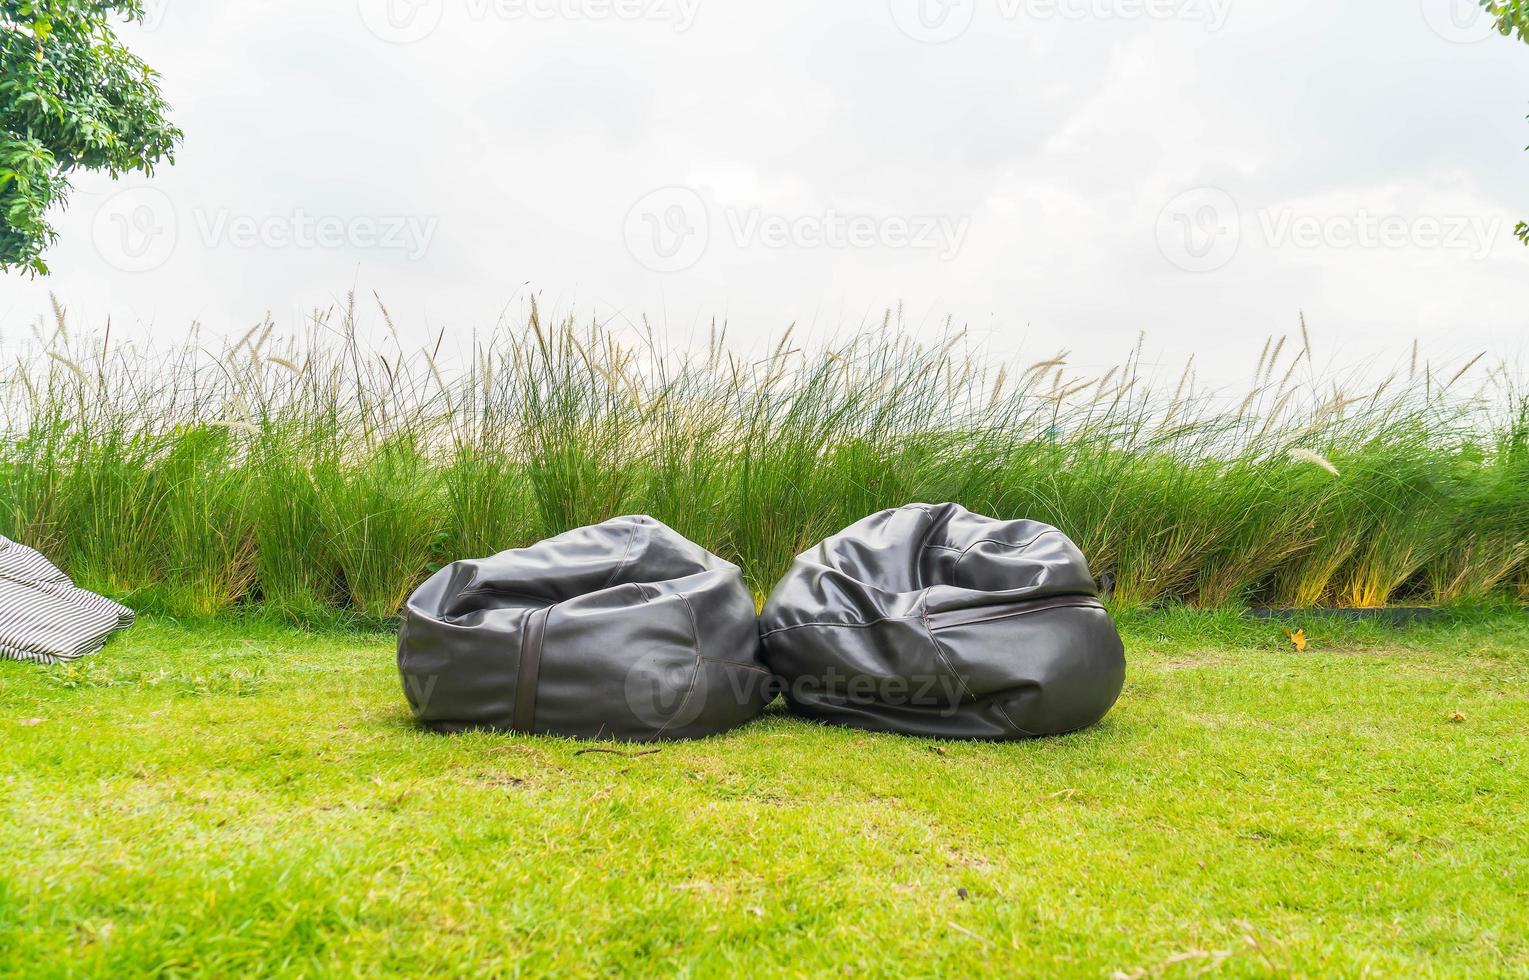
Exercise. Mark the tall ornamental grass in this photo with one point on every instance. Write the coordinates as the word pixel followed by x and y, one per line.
pixel 322 473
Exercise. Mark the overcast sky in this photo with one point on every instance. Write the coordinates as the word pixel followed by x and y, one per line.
pixel 1050 173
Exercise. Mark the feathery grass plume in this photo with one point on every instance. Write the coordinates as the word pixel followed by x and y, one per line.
pixel 1295 362
pixel 60 320
pixel 1041 367
pixel 998 383
pixel 79 372
pixel 1468 365
pixel 245 339
pixel 1274 359
pixel 1263 357
pixel 1307 456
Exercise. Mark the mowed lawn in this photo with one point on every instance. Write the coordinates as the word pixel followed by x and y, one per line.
pixel 244 798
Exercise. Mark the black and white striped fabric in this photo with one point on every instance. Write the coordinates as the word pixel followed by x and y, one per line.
pixel 43 617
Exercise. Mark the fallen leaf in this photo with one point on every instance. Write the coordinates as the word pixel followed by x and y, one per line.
pixel 1297 639
pixel 962 894
pixel 1456 717
pixel 29 722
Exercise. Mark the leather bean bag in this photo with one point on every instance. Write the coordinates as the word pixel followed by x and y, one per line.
pixel 934 621
pixel 624 630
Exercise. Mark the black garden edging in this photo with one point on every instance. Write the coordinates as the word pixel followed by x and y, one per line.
pixel 1390 615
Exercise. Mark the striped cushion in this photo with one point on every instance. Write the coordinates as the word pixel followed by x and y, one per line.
pixel 43 617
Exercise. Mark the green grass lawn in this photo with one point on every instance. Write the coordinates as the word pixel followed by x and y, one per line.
pixel 246 798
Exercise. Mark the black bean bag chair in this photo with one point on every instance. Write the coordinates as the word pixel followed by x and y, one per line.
pixel 932 620
pixel 624 631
